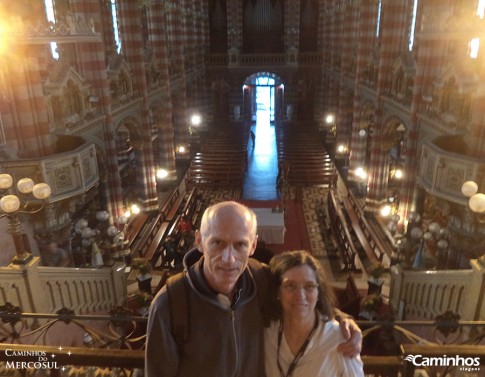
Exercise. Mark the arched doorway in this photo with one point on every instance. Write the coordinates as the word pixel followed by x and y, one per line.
pixel 263 95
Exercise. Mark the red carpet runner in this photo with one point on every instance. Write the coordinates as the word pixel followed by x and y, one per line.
pixel 296 236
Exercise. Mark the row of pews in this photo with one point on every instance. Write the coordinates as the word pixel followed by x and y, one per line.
pixel 147 232
pixel 303 156
pixel 222 159
pixel 356 238
pixel 347 249
pixel 378 248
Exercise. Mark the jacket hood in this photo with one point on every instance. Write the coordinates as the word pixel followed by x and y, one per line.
pixel 193 265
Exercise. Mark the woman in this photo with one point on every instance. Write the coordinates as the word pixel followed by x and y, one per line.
pixel 303 340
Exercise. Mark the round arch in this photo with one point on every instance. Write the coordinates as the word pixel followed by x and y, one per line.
pixel 263 91
pixel 129 144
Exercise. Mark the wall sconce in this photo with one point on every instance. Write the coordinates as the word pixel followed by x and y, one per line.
pixel 12 205
pixel 342 149
pixel 476 200
pixel 330 118
pixel 385 210
pixel 396 173
pixel 195 119
pixel 161 173
pixel 360 174
pixel 181 150
pixel 390 208
pixel 134 210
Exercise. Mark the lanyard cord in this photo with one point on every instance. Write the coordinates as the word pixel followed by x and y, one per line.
pixel 300 353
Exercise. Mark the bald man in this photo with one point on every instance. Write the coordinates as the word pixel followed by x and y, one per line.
pixel 224 314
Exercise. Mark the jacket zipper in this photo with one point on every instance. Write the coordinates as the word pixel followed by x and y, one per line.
pixel 233 320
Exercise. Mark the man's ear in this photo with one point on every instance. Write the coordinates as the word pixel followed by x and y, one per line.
pixel 254 245
pixel 198 240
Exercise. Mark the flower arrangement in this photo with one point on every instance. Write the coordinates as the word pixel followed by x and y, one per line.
pixel 371 303
pixel 144 267
pixel 377 270
pixel 143 298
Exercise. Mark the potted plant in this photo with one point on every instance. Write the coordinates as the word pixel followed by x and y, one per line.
pixel 143 299
pixel 137 302
pixel 375 282
pixel 370 305
pixel 144 278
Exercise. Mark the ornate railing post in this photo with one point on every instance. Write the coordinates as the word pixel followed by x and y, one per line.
pixel 475 308
pixel 21 285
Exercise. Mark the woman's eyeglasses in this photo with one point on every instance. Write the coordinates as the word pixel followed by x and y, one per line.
pixel 292 287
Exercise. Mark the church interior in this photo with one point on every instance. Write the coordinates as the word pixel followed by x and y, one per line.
pixel 354 129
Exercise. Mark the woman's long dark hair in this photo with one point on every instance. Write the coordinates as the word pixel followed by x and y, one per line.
pixel 283 262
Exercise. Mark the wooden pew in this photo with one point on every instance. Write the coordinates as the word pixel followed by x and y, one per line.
pixel 190 209
pixel 215 156
pixel 192 206
pixel 153 251
pixel 349 298
pixel 202 169
pixel 140 248
pixel 380 244
pixel 347 250
pixel 354 221
pixel 134 228
pixel 172 203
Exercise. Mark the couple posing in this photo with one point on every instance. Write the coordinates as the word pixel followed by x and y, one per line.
pixel 228 301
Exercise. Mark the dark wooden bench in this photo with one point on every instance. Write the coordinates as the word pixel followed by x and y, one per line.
pixel 227 151
pixel 300 171
pixel 312 178
pixel 380 244
pixel 134 228
pixel 219 169
pixel 311 161
pixel 211 183
pixel 154 249
pixel 211 155
pixel 192 206
pixel 354 222
pixel 171 204
pixel 190 209
pixel 149 233
pixel 217 176
pixel 346 247
pixel 384 366
pixel 302 157
pixel 349 298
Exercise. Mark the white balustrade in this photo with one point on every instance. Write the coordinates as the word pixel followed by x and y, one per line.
pixel 38 289
pixel 426 294
pixel 84 290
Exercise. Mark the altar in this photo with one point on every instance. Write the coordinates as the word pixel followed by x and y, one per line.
pixel 271 225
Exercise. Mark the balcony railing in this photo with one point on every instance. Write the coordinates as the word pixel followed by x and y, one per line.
pixel 66 293
pixel 264 59
pixel 42 289
pixel 117 349
pixel 425 294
